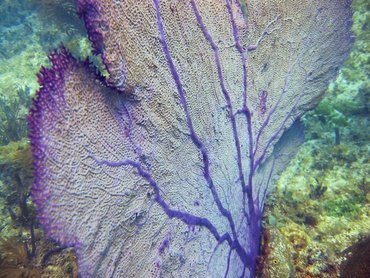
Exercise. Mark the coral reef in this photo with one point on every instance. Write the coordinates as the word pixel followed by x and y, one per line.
pixel 13 125
pixel 27 36
pixel 16 179
pixel 15 260
pixel 24 249
pixel 322 201
pixel 49 261
pixel 307 234
pixel 143 159
pixel 320 208
pixel 358 262
pixel 62 13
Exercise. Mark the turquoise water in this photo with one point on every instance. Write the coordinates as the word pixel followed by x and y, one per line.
pixel 322 201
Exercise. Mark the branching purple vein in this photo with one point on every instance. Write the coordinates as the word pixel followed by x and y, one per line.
pixel 248 188
pixel 280 129
pixel 194 137
pixel 52 103
pixel 253 219
pixel 272 111
pixel 209 38
pixel 245 110
pixel 253 209
pixel 266 187
pixel 267 119
pixel 186 217
pixel 255 206
pixel 228 262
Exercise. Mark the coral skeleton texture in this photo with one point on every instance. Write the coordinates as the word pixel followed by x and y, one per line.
pixel 163 168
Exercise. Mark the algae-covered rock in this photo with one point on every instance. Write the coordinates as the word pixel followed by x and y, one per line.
pixel 322 201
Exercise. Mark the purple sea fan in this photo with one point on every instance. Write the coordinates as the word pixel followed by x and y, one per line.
pixel 170 143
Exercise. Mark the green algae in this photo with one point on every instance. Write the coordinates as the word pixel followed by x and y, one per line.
pixel 326 223
pixel 349 206
pixel 16 178
pixel 37 28
pixel 13 125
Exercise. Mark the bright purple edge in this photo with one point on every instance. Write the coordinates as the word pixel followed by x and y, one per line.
pixel 46 104
pixel 45 108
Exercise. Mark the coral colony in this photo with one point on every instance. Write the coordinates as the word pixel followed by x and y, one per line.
pixel 163 168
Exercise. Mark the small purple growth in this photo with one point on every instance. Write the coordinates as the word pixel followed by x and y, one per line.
pixel 164 244
pixel 262 101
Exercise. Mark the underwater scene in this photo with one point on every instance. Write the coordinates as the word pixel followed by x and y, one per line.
pixel 184 138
